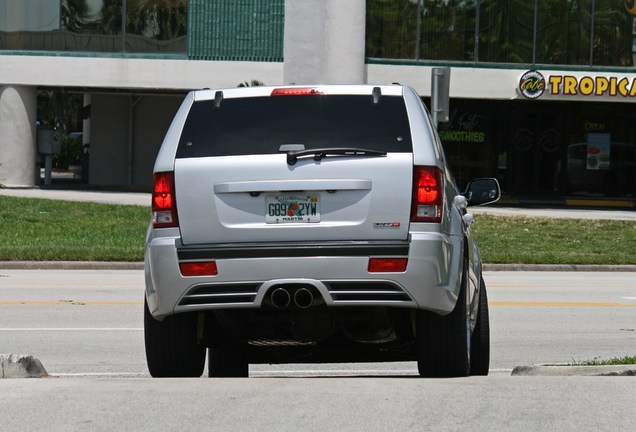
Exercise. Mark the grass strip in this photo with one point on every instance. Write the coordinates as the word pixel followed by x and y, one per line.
pixel 627 360
pixel 533 240
pixel 50 230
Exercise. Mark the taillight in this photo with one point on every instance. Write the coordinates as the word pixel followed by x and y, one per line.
pixel 296 91
pixel 164 205
pixel 387 265
pixel 428 194
pixel 204 268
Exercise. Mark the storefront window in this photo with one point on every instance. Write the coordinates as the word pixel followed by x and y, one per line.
pixel 469 141
pixel 90 25
pixel 566 32
pixel 29 24
pixel 505 31
pixel 563 33
pixel 447 30
pixel 156 26
pixel 612 34
pixel 425 29
pixel 544 149
pixel 601 153
pixel 391 29
pixel 94 25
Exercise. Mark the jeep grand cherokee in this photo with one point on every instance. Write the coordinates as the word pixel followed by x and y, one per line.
pixel 311 224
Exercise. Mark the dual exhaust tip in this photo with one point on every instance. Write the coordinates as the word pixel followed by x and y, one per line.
pixel 283 297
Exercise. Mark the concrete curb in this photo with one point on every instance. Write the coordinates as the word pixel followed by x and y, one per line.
pixel 556 370
pixel 21 366
pixel 560 267
pixel 70 265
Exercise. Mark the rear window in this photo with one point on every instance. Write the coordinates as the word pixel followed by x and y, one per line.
pixel 260 125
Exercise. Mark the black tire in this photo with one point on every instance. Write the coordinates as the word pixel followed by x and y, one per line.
pixel 442 342
pixel 480 342
pixel 228 360
pixel 171 346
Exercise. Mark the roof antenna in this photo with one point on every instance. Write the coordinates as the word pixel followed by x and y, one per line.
pixel 218 97
pixel 376 95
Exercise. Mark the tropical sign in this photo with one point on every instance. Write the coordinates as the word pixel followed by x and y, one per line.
pixel 533 85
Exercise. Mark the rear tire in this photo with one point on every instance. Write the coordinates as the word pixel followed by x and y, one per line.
pixel 171 346
pixel 480 343
pixel 443 342
pixel 228 361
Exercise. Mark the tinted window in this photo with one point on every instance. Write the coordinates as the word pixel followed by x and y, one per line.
pixel 260 125
pixel 94 25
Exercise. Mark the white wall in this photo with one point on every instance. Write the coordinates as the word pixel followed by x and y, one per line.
pixel 18 106
pixel 324 41
pixel 307 63
pixel 492 83
pixel 118 73
pixel 471 83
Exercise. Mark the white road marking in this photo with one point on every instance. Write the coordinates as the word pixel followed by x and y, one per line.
pixel 99 374
pixel 307 373
pixel 73 329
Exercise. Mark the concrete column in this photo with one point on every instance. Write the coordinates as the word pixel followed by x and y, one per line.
pixel 18 111
pixel 324 42
pixel 345 32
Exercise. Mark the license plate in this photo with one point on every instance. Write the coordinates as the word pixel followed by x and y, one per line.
pixel 292 208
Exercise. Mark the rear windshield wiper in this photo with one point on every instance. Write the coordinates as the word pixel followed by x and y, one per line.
pixel 318 154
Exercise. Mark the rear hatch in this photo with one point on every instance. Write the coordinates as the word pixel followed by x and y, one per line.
pixel 313 166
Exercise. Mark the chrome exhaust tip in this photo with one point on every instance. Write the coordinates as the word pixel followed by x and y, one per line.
pixel 303 298
pixel 280 298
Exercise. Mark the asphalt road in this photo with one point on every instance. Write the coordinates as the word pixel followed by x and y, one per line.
pixel 86 328
pixel 327 404
pixel 89 322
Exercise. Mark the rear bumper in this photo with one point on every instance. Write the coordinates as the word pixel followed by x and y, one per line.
pixel 337 271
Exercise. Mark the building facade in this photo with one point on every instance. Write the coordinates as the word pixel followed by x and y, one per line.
pixel 542 92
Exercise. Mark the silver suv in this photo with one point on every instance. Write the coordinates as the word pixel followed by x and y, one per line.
pixel 311 225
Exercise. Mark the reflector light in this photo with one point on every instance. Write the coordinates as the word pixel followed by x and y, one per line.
pixel 164 209
pixel 387 265
pixel 162 196
pixel 427 194
pixel 296 91
pixel 207 268
pixel 426 188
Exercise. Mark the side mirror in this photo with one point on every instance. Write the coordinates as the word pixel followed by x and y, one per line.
pixel 482 191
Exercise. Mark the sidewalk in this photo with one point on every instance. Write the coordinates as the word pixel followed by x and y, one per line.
pixel 562 212
pixel 102 197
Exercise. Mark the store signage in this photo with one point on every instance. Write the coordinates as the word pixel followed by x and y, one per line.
pixel 462 136
pixel 588 86
pixel 532 85
pixel 598 151
pixel 463 127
